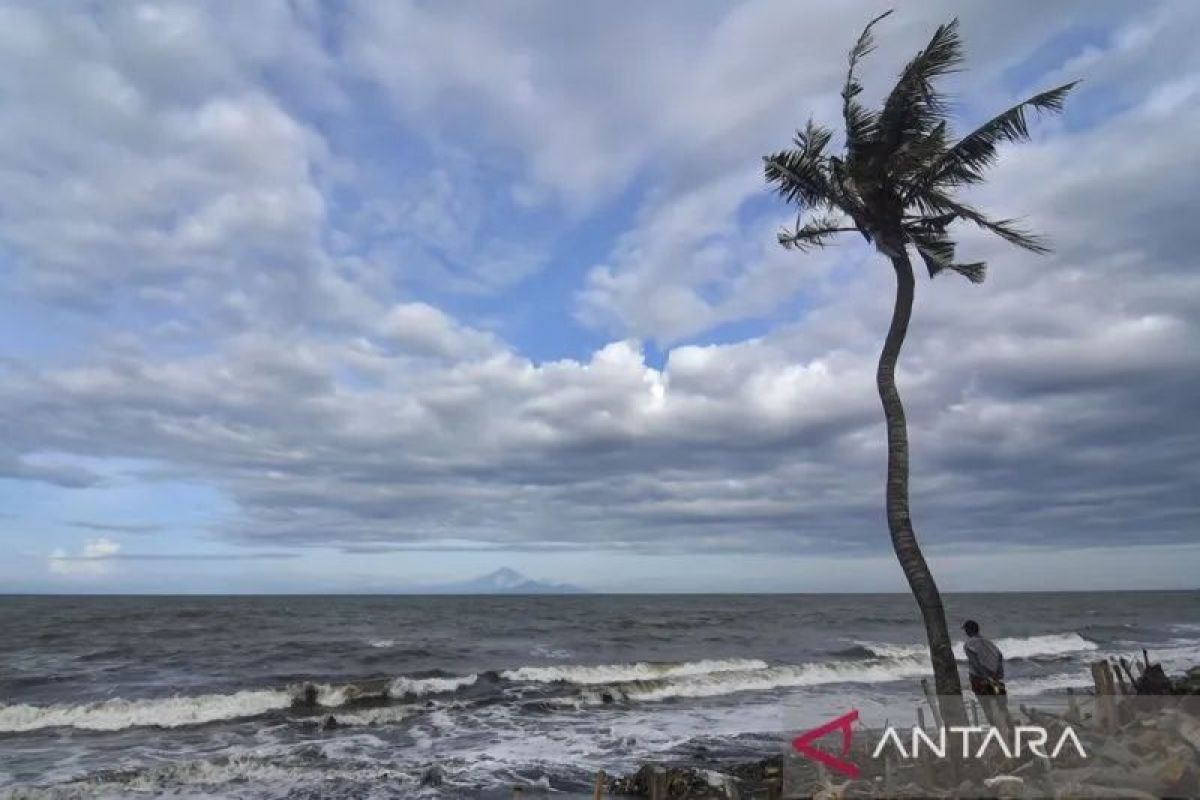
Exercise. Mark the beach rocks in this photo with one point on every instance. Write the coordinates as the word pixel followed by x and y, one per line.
pixel 678 782
pixel 434 776
pixel 1148 748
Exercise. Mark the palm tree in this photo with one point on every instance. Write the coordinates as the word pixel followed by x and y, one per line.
pixel 895 184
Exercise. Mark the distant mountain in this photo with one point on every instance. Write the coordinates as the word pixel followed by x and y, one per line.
pixel 507 581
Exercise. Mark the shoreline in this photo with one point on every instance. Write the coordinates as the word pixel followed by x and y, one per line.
pixel 1139 746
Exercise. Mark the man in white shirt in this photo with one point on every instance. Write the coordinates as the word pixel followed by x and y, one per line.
pixel 985 667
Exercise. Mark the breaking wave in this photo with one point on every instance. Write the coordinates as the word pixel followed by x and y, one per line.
pixel 1048 646
pixel 181 711
pixel 866 662
pixel 420 687
pixel 642 670
pixel 168 712
pixel 763 678
pixel 1051 645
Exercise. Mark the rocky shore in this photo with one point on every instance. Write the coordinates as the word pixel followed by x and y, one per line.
pixel 1141 734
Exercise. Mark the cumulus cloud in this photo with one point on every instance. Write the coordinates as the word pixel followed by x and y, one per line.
pixel 237 321
pixel 91 561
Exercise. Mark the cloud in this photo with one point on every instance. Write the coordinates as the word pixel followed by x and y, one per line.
pixel 49 470
pixel 203 556
pixel 246 302
pixel 97 556
pixel 422 329
pixel 118 527
pixel 92 561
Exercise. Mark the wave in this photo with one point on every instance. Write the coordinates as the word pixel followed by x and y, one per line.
pixel 1051 645
pixel 180 711
pixel 1047 684
pixel 167 712
pixel 208 777
pixel 764 678
pixel 421 687
pixel 381 643
pixel 615 673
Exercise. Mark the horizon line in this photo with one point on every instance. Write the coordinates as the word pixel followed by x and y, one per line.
pixel 4 594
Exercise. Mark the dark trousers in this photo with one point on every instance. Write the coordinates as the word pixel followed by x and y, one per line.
pixel 993 696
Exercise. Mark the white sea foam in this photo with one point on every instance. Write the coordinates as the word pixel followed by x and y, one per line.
pixel 887 650
pixel 420 687
pixel 1047 684
pixel 585 675
pixel 236 770
pixel 1054 644
pixel 180 711
pixel 382 643
pixel 385 715
pixel 1175 656
pixel 165 712
pixel 1042 646
pixel 713 684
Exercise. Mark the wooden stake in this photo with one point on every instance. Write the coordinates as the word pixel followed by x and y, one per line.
pixel 927 768
pixel 933 703
pixel 658 784
pixel 920 717
pixel 1106 701
pixel 1120 678
pixel 601 779
pixel 1072 705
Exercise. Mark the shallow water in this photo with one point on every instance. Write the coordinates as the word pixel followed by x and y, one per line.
pixel 186 696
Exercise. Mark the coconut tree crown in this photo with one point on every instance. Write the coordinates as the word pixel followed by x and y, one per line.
pixel 896 179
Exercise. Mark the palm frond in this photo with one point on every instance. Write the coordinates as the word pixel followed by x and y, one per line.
pixel 813 139
pixel 913 156
pixel 937 203
pixel 896 178
pixel 801 176
pixel 965 162
pixel 860 121
pixel 814 233
pixel 914 107
pixel 937 251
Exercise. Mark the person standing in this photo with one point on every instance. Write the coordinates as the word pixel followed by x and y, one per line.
pixel 985 668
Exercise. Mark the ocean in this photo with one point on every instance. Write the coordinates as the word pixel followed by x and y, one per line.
pixel 449 697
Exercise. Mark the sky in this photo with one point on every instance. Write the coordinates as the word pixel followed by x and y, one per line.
pixel 325 297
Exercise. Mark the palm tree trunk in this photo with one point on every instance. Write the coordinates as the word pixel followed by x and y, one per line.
pixel 904 540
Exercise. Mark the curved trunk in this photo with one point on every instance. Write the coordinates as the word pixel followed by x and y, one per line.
pixel 904 540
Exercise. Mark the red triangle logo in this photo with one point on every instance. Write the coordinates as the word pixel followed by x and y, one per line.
pixel 804 744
